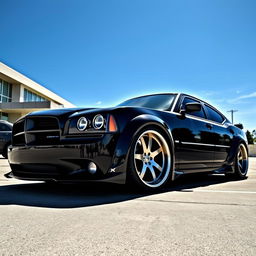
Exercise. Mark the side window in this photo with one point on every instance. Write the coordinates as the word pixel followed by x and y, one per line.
pixel 4 127
pixel 213 115
pixel 197 113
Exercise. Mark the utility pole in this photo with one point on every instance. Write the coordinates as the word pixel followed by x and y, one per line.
pixel 232 111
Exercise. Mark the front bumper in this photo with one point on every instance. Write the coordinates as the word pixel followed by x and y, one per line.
pixel 67 162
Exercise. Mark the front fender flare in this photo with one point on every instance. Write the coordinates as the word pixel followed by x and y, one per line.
pixel 130 131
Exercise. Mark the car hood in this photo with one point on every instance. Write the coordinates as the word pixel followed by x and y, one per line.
pixel 74 112
pixel 94 110
pixel 57 112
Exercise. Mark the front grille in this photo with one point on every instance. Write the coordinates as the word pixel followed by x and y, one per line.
pixel 35 170
pixel 36 131
pixel 43 138
pixel 18 135
pixel 41 123
pixel 19 127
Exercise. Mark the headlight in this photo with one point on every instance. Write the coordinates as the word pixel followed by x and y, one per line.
pixel 82 124
pixel 98 122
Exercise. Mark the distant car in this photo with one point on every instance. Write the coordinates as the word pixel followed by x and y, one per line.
pixel 146 141
pixel 5 137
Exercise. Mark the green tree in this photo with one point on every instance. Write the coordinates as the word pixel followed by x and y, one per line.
pixel 254 135
pixel 249 137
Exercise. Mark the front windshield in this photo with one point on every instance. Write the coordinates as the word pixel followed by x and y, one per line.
pixel 159 101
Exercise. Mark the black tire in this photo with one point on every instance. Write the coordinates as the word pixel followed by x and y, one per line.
pixel 149 163
pixel 241 163
pixel 5 151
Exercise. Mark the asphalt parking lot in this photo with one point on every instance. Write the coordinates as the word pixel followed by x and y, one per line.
pixel 198 215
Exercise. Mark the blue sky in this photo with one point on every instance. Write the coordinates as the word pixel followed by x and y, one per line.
pixel 98 53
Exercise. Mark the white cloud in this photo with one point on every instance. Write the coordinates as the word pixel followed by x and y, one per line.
pixel 242 97
pixel 251 95
pixel 99 102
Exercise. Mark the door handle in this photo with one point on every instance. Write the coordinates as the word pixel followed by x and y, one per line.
pixel 209 126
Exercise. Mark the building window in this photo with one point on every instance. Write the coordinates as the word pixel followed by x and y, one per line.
pixel 4 116
pixel 30 96
pixel 5 91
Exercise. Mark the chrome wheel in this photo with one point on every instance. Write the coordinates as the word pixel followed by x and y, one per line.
pixel 242 159
pixel 152 158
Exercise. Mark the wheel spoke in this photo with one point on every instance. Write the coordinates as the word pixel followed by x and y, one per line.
pixel 143 171
pixel 152 158
pixel 152 172
pixel 157 166
pixel 138 157
pixel 144 147
pixel 240 166
pixel 149 142
pixel 156 152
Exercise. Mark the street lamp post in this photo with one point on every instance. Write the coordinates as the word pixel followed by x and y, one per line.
pixel 232 111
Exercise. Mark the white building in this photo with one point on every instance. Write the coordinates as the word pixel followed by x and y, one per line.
pixel 20 95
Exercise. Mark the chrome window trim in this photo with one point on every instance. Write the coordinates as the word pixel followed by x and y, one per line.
pixel 194 117
pixel 201 119
pixel 201 144
pixel 175 102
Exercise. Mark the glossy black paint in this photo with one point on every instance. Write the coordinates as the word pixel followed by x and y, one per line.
pixel 197 144
pixel 5 136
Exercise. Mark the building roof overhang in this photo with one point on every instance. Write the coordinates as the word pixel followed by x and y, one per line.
pixel 14 76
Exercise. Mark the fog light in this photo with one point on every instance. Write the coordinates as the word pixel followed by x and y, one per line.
pixel 92 168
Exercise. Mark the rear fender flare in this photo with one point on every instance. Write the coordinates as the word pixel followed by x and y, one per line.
pixel 237 140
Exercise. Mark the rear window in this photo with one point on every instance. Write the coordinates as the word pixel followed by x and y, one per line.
pixel 4 127
pixel 214 115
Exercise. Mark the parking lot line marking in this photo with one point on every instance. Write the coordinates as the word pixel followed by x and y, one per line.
pixel 225 191
pixel 195 202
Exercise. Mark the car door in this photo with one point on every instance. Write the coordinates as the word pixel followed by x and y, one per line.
pixel 223 135
pixel 195 147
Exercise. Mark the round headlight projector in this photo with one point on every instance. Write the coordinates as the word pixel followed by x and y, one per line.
pixel 92 168
pixel 82 124
pixel 98 122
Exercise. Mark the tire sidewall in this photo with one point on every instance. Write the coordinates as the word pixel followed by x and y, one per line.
pixel 237 170
pixel 132 175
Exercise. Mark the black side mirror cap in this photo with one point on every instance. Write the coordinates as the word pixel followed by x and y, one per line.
pixel 193 107
pixel 240 126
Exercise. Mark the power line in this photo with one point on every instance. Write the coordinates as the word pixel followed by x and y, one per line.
pixel 232 111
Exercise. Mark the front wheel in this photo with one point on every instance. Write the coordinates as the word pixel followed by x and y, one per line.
pixel 240 164
pixel 149 160
pixel 5 151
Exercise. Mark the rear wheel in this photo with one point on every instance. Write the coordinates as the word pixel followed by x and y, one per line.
pixel 149 160
pixel 240 164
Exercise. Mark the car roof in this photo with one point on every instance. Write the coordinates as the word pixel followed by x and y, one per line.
pixel 6 122
pixel 153 94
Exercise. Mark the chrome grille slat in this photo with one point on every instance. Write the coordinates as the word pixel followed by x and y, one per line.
pixel 36 131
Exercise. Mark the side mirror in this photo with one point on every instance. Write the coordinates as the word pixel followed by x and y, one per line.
pixel 192 107
pixel 240 126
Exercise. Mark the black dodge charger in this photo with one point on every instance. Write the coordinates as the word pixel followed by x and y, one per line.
pixel 146 141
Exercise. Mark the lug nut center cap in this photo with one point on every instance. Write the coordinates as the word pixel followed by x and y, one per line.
pixel 146 159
